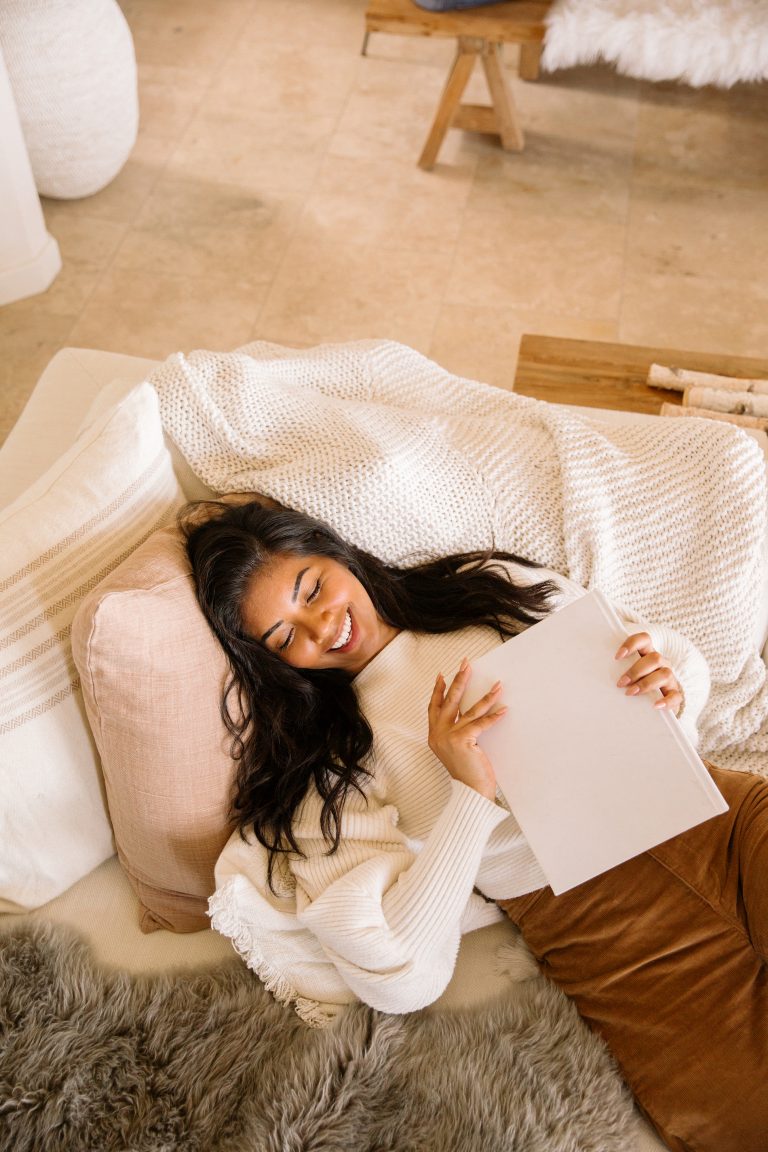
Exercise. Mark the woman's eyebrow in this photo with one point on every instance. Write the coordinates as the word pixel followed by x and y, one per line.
pixel 299 579
pixel 294 594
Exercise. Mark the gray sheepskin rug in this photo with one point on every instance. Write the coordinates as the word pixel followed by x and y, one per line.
pixel 207 1061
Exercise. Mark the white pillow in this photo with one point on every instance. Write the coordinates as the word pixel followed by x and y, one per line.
pixel 111 394
pixel 100 500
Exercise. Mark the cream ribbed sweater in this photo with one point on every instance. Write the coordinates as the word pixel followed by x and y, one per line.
pixel 382 917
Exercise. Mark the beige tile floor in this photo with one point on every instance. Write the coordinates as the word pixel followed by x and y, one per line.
pixel 273 193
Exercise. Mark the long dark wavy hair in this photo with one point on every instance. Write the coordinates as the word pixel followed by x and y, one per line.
pixel 294 727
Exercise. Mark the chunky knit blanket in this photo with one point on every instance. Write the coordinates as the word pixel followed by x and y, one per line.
pixel 408 461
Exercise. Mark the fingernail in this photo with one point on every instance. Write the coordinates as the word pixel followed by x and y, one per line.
pixel 620 654
pixel 496 686
pixel 660 704
pixel 463 664
pixel 633 691
pixel 622 681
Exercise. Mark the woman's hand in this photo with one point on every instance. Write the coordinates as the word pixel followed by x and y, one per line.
pixel 649 672
pixel 453 735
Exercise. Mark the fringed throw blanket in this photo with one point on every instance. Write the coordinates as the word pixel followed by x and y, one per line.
pixel 92 1059
pixel 409 461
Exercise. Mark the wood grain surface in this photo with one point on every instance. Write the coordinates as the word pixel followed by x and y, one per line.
pixel 603 375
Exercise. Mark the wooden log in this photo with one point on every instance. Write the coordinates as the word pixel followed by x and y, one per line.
pixel 709 414
pixel 723 400
pixel 678 379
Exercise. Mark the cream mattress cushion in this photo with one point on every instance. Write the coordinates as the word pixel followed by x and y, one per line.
pixel 111 489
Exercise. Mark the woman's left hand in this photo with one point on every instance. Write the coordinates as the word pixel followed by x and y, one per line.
pixel 650 672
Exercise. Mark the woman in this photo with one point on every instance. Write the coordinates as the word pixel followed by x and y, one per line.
pixel 369 844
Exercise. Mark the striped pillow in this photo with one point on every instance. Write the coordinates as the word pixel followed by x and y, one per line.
pixel 101 499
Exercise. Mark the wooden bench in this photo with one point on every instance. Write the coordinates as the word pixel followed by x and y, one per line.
pixel 480 33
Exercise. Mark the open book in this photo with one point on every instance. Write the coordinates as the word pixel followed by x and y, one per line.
pixel 592 776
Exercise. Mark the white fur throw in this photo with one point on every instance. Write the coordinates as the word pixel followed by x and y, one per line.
pixel 409 461
pixel 697 42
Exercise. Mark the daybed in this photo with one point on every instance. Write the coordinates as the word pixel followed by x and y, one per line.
pixel 101 904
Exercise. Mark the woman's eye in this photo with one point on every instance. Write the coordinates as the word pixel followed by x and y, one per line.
pixel 315 591
pixel 282 647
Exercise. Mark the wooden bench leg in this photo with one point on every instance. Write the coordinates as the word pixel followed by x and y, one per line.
pixel 500 117
pixel 530 61
pixel 460 73
pixel 508 125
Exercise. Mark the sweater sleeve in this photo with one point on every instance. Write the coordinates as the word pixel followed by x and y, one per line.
pixel 388 916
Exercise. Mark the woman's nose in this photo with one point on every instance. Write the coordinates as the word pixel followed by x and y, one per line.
pixel 321 627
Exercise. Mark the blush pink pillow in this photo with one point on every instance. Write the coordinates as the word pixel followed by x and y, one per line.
pixel 152 675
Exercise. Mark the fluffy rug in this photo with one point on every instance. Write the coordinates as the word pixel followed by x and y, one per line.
pixel 97 1059
pixel 697 42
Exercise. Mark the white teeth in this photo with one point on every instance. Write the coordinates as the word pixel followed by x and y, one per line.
pixel 345 633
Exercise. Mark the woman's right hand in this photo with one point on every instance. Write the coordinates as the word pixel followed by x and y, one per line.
pixel 453 735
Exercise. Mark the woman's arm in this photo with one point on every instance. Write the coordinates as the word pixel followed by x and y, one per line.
pixel 389 912
pixel 389 917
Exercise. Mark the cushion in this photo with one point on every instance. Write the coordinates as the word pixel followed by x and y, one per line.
pixel 104 496
pixel 111 394
pixel 152 675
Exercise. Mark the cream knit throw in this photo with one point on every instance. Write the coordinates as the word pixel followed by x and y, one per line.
pixel 409 461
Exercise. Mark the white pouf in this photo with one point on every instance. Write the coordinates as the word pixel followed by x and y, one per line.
pixel 72 68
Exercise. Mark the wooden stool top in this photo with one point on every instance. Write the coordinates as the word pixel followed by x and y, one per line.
pixel 516 21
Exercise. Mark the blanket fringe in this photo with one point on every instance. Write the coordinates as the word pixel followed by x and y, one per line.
pixel 224 920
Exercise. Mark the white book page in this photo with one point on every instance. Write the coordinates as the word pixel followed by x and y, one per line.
pixel 592 776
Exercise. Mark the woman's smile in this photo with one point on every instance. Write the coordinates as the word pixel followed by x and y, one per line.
pixel 344 638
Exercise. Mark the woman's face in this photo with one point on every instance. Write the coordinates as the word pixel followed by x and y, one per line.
pixel 313 613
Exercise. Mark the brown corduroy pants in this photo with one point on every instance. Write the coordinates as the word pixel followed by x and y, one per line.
pixel 665 957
